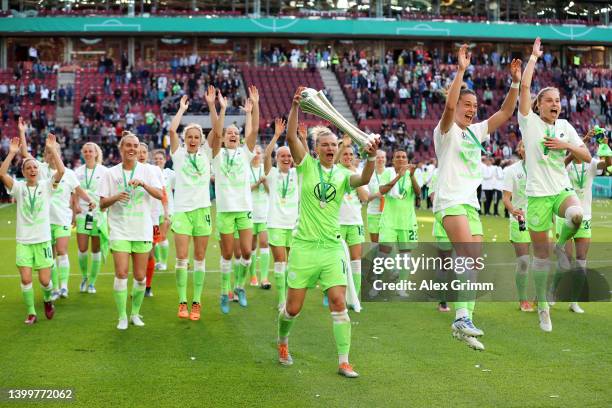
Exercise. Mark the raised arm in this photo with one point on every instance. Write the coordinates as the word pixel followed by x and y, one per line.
pixel 279 128
pixel 415 184
pixel 507 109
pixel 295 145
pixel 385 188
pixel 4 176
pixel 251 137
pixel 525 96
pixel 212 109
pixel 217 122
pixel 362 179
pixel 51 146
pixel 23 143
pixel 176 121
pixel 303 135
pixel 453 93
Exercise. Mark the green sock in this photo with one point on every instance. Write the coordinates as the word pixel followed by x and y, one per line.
pixel 199 269
pixel 120 294
pixel 566 233
pixel 164 248
pixel 342 332
pixel 47 292
pixel 54 275
pixel 63 269
pixel 96 265
pixel 157 253
pixel 285 323
pixel 236 272
pixel 252 268
pixel 181 283
pixel 138 291
pixel 226 270
pixel 356 272
pixel 471 304
pixel 264 263
pixel 244 271
pixel 540 269
pixel 279 279
pixel 521 279
pixel 83 262
pixel 28 298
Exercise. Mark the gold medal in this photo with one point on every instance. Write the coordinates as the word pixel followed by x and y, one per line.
pixel 322 204
pixel 283 201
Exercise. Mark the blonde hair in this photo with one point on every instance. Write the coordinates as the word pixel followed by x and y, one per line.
pixel 159 151
pixel 124 135
pixel 97 149
pixel 320 131
pixel 231 126
pixel 536 101
pixel 25 161
pixel 192 126
pixel 341 148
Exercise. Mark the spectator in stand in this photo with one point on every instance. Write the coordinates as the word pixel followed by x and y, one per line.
pixel 61 93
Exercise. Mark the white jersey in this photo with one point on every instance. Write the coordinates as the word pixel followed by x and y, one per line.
pixel 459 158
pixel 284 198
pixel 61 211
pixel 130 221
pixel 233 179
pixel 191 188
pixel 581 176
pixel 373 187
pixel 259 196
pixel 546 173
pixel 169 177
pixel 434 182
pixel 350 208
pixel 515 180
pixel 89 181
pixel 157 209
pixel 33 211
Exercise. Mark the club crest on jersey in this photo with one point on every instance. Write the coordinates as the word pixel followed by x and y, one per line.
pixel 330 193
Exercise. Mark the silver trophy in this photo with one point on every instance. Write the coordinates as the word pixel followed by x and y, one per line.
pixel 316 103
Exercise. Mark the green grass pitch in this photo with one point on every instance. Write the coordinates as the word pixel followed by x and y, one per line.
pixel 403 351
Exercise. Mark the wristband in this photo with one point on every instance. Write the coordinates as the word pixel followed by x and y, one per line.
pixel 371 158
pixel 533 58
pixel 515 85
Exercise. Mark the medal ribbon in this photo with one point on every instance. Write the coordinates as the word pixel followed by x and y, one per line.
pixel 324 185
pixel 475 140
pixel 193 160
pixel 579 179
pixel 88 181
pixel 230 162
pixel 125 181
pixel 285 186
pixel 32 198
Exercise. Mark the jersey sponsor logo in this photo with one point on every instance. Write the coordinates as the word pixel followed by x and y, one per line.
pixel 330 193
